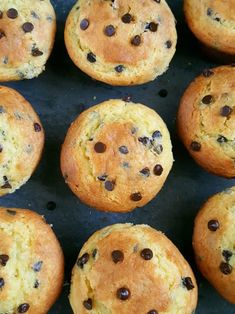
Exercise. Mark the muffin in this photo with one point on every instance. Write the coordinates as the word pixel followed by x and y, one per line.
pixel 143 272
pixel 27 32
pixel 21 140
pixel 31 263
pixel 214 242
pixel 117 156
pixel 126 43
pixel 206 120
pixel 213 23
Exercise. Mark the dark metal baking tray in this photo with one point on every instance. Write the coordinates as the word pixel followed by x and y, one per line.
pixel 59 95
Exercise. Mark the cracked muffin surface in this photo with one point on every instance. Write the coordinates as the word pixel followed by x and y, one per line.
pixel 214 242
pixel 117 155
pixel 31 263
pixel 127 268
pixel 206 120
pixel 21 140
pixel 127 42
pixel 27 31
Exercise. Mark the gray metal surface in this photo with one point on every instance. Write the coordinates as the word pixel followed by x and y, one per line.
pixel 59 95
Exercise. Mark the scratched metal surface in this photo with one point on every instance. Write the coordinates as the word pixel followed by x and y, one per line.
pixel 59 95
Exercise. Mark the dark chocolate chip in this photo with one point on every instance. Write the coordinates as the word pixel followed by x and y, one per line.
pixel 91 57
pixel 208 99
pixel 158 149
pixel 117 256
pixel 2 34
pixel 123 150
pixel 12 13
pixel 88 304
pixel 27 27
pixel 36 284
pixel 6 185
pixel 146 254
pixel 158 1
pixel 4 259
pixel 221 139
pixel 1 14
pixel 126 18
pixel 136 40
pixel 226 111
pixel 83 260
pixel 163 93
pixel 123 293
pixel 37 127
pixel 109 186
pixel 2 283
pixel 94 253
pixel 36 52
pixel 225 268
pixel 217 19
pixel 144 140
pixel 152 26
pixel 195 146
pixel 227 255
pixel 51 205
pixel 34 14
pixel 158 170
pixel 11 212
pixel 152 312
pixel 37 266
pixel 127 98
pixel 145 172
pixel 136 197
pixel 100 147
pixel 84 24
pixel 119 68
pixel 102 177
pixel 213 225
pixel 109 30
pixel 1 148
pixel 168 44
pixel 23 308
pixel 187 282
pixel 209 11
pixel 207 73
pixel 156 134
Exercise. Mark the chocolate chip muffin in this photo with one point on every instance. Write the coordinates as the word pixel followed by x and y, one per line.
pixel 21 140
pixel 214 242
pixel 117 156
pixel 27 31
pixel 213 23
pixel 31 263
pixel 206 120
pixel 121 42
pixel 143 272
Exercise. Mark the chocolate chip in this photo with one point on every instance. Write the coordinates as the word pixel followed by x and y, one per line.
pixel 146 254
pixel 100 147
pixel 225 268
pixel 2 283
pixel 12 13
pixel 1 14
pixel 4 259
pixel 51 205
pixel 127 98
pixel 36 52
pixel 152 312
pixel 6 185
pixel 209 11
pixel 221 139
pixel 88 304
pixel 36 284
pixel 34 14
pixel 156 134
pixel 91 57
pixel 37 127
pixel 126 18
pixel 163 93
pixel 217 19
pixel 37 266
pixel 158 1
pixel 187 282
pixel 83 260
pixel 103 177
pixel 136 40
pixel 195 146
pixel 226 111
pixel 123 150
pixel 158 149
pixel 84 24
pixel 152 26
pixel 117 256
pixel 2 34
pixel 94 253
pixel 213 225
pixel 119 68
pixel 144 140
pixel 11 212
pixel 1 148
pixel 168 44
pixel 145 172
pixel 123 294
pixel 23 308
pixel 136 197
pixel 158 170
pixel 208 99
pixel 27 27
pixel 109 186
pixel 207 73
pixel 109 30
pixel 227 255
